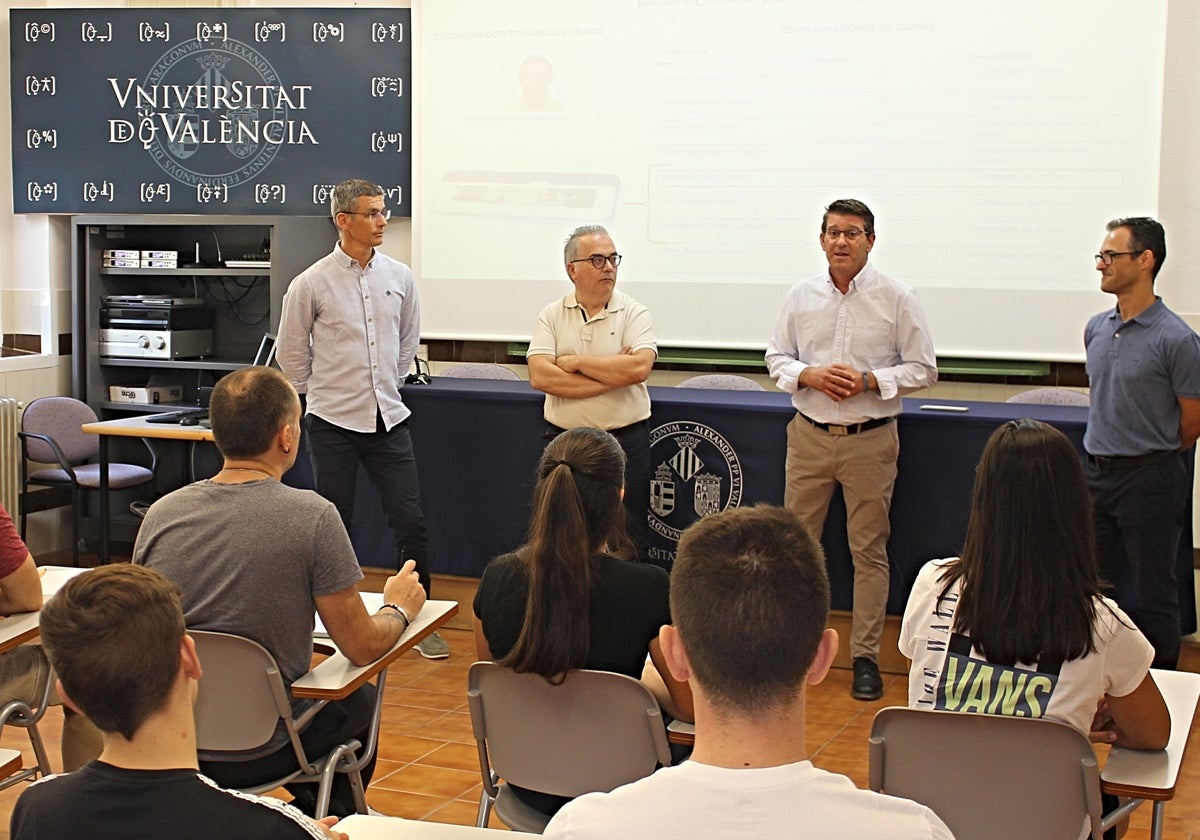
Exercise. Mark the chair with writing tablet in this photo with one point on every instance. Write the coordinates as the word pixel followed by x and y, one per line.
pixel 242 698
pixel 21 714
pixel 594 732
pixel 989 777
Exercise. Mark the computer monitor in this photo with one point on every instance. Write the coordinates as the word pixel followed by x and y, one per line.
pixel 266 350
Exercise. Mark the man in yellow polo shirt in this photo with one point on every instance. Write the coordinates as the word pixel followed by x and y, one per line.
pixel 591 354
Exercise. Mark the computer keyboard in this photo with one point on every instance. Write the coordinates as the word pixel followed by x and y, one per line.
pixel 189 416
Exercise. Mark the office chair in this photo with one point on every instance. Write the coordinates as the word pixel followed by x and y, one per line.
pixel 722 382
pixel 989 777
pixel 1050 396
pixel 241 701
pixel 594 732
pixel 479 370
pixel 50 434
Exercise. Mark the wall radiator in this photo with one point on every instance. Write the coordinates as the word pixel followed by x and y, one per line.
pixel 10 455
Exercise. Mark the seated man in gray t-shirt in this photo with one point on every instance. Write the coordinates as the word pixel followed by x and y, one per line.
pixel 255 557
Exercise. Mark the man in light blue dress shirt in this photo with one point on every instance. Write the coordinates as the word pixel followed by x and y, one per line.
pixel 349 331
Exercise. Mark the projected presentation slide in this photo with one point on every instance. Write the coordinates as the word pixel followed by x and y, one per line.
pixel 992 141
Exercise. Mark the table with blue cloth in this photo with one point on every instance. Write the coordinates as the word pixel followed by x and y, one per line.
pixel 478 442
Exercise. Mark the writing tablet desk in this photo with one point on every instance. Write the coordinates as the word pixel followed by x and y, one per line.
pixel 337 677
pixel 1151 774
pixel 19 628
pixel 364 827
pixel 139 428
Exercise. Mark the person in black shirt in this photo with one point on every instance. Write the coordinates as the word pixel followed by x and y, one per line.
pixel 116 639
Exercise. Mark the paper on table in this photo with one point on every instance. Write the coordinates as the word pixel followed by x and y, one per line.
pixel 55 577
pixel 371 827
pixel 373 601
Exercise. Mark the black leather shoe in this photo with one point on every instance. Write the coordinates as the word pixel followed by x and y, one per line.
pixel 868 685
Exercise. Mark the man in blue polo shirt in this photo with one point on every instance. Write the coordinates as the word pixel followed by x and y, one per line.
pixel 1143 362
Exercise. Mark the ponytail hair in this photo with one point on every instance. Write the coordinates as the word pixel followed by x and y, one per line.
pixel 576 512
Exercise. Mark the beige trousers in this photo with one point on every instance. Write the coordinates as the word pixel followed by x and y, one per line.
pixel 865 466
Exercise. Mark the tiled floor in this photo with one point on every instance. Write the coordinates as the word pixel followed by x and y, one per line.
pixel 428 767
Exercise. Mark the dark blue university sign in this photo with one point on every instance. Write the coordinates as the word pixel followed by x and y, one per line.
pixel 696 472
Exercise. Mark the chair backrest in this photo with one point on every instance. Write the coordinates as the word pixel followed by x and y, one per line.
pixel 60 418
pixel 1051 396
pixel 242 696
pixel 594 732
pixel 722 382
pixel 479 370
pixel 988 776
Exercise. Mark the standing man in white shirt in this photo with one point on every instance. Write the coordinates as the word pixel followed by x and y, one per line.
pixel 848 344
pixel 591 354
pixel 349 331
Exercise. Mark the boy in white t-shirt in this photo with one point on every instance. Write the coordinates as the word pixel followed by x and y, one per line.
pixel 749 598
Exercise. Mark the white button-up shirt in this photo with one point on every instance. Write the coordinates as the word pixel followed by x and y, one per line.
pixel 877 326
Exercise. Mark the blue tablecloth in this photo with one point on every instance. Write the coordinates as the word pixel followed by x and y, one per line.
pixel 478 441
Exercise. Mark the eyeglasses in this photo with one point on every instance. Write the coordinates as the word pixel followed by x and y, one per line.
pixel 373 215
pixel 1108 256
pixel 598 260
pixel 851 235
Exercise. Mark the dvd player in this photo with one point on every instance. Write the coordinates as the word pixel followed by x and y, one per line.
pixel 151 300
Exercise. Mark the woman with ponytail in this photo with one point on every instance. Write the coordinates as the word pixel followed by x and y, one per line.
pixel 566 599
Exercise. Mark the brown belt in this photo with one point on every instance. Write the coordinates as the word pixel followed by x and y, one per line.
pixel 852 429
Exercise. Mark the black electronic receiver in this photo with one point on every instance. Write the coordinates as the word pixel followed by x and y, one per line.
pixel 258 259
pixel 187 417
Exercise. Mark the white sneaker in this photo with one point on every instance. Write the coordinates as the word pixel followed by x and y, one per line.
pixel 433 646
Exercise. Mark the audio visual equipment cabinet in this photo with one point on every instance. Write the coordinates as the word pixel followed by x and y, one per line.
pixel 235 267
